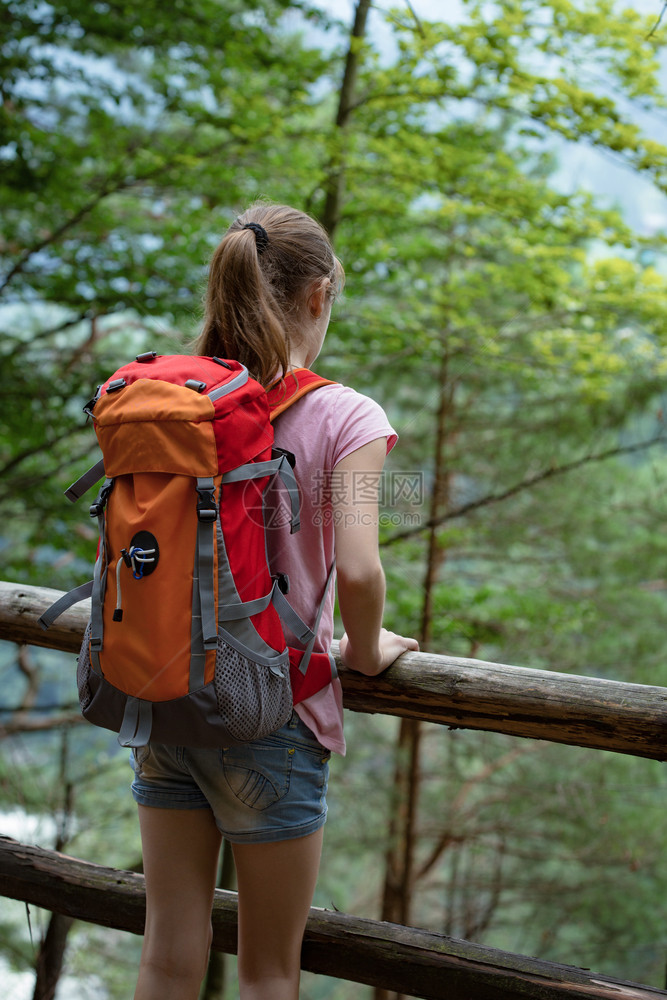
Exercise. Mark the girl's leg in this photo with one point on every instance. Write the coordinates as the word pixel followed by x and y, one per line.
pixel 180 849
pixel 276 883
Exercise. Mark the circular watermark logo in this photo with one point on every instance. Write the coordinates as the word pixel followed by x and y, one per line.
pixel 269 508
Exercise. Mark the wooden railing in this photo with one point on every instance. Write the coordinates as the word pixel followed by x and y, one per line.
pixel 455 692
pixel 415 962
pixel 459 693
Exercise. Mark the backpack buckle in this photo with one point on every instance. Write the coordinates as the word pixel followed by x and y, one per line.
pixel 98 506
pixel 90 405
pixel 207 508
pixel 282 452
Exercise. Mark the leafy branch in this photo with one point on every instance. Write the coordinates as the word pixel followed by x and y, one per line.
pixel 107 189
pixel 525 484
pixel 657 23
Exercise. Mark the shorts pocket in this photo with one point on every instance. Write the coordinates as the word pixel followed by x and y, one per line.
pixel 258 778
pixel 138 758
pixel 316 751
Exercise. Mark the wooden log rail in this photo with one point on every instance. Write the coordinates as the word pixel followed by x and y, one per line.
pixel 415 962
pixel 456 692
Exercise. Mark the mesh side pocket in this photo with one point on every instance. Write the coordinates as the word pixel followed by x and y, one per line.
pixel 253 701
pixel 83 671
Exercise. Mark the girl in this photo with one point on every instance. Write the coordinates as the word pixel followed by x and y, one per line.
pixel 272 282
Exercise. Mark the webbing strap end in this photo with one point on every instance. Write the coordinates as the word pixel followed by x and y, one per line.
pixel 135 730
pixel 83 484
pixel 63 603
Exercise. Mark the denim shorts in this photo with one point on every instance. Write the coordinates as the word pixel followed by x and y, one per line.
pixel 272 789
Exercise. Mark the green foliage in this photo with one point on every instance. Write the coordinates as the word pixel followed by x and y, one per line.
pixel 128 135
pixel 528 321
pixel 532 871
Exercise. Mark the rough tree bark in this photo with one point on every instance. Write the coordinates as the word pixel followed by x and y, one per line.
pixel 49 964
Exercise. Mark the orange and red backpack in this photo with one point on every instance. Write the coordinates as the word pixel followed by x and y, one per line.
pixel 185 643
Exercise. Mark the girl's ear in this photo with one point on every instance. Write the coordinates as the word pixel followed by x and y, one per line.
pixel 318 297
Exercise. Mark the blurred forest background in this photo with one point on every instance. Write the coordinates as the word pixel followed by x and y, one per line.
pixel 494 176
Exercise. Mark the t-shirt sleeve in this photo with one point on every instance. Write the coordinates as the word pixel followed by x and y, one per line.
pixel 357 420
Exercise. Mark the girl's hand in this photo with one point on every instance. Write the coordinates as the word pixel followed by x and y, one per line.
pixel 390 647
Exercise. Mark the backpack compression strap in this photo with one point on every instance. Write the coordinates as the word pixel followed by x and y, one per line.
pixel 287 390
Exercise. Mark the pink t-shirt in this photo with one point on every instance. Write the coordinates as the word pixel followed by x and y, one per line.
pixel 320 429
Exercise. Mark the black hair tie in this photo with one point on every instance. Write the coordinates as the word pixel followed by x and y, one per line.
pixel 261 235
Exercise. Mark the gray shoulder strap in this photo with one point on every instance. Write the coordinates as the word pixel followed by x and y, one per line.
pixel 295 623
pixel 303 666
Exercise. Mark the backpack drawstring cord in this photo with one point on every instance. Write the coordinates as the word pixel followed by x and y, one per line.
pixel 135 560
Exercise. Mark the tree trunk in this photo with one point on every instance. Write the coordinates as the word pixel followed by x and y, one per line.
pixel 400 859
pixel 336 168
pixel 50 958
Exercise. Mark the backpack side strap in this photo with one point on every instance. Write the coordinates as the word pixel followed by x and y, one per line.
pixel 93 588
pixel 84 482
pixel 65 602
